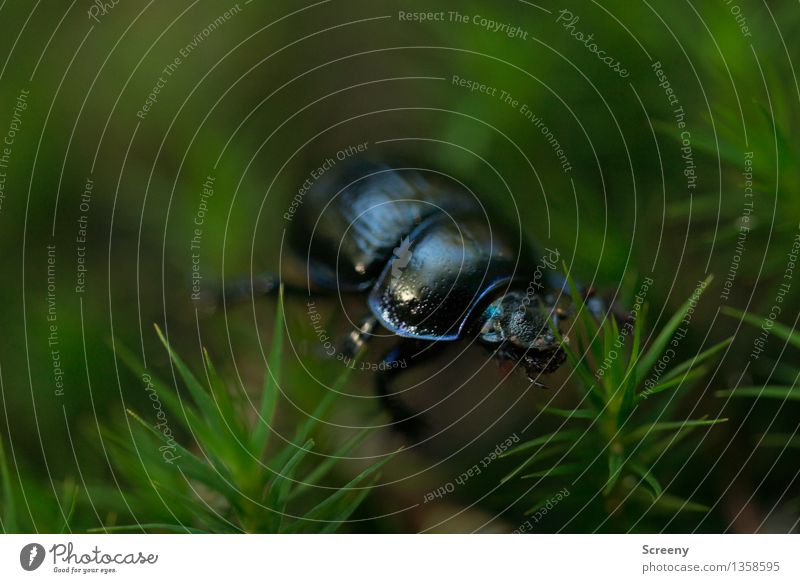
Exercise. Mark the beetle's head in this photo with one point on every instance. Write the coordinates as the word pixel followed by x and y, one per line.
pixel 519 328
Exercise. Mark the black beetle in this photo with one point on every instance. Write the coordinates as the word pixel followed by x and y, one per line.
pixel 421 246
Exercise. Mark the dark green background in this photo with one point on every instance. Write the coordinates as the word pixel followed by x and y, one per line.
pixel 276 89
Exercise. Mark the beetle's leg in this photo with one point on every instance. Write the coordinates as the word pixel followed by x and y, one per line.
pixel 356 340
pixel 406 421
pixel 241 289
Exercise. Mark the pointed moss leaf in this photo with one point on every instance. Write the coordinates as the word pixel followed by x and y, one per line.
pixel 580 366
pixel 71 492
pixel 781 440
pixel 160 386
pixel 331 502
pixel 636 345
pixel 648 430
pixel 656 350
pixel 314 418
pixel 191 464
pixel 213 443
pixel 9 514
pixel 657 448
pixel 346 509
pixel 784 147
pixel 279 489
pixel 783 332
pixel 673 378
pixel 615 462
pixel 536 456
pixel 570 413
pixel 673 503
pixel 699 359
pixel 613 376
pixel 675 382
pixel 583 313
pixel 648 478
pixel 564 435
pixel 765 392
pixel 272 380
pixel 330 461
pixel 224 399
pixel 203 400
pixel 541 503
pixel 703 141
pixel 559 470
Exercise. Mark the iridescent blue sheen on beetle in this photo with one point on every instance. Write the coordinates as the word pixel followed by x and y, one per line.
pixel 434 267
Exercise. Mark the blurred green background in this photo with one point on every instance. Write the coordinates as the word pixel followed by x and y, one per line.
pixel 257 94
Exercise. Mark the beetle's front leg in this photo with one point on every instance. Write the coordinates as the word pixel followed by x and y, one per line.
pixel 239 290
